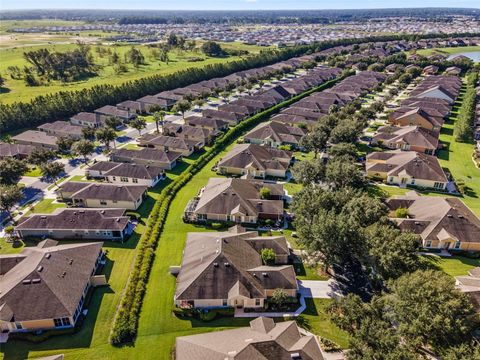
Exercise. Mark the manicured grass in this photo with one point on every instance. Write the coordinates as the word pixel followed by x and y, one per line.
pixel 456 158
pixel 292 188
pixel 34 171
pixel 316 320
pixel 46 206
pixel 19 91
pixel 385 191
pixel 448 51
pixel 10 247
pixel 305 272
pixel 453 266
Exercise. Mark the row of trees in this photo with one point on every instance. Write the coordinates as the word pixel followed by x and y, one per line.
pixel 463 127
pixel 64 66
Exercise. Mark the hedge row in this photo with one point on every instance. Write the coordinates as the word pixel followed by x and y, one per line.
pixel 463 127
pixel 125 324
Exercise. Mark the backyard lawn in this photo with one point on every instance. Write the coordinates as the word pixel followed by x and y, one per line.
pixel 453 266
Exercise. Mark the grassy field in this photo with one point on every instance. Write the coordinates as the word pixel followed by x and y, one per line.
pixel 448 51
pixel 16 90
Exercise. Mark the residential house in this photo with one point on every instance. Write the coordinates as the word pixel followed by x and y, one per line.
pixel 62 129
pixel 112 111
pixel 214 125
pixel 407 168
pixel 77 224
pixel 225 269
pixel 185 147
pixel 232 118
pixel 264 339
pixel 101 195
pixel 255 161
pixel 202 136
pixel 37 139
pixel 44 287
pixel 406 116
pixel 413 138
pixel 430 70
pixel 236 200
pixel 86 119
pixel 126 173
pixel 442 223
pixel 134 107
pixel 16 151
pixel 275 134
pixel 166 160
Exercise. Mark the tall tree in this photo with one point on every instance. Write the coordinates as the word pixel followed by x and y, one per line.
pixel 11 171
pixel 83 148
pixel 53 170
pixel 40 156
pixel 113 122
pixel 106 135
pixel 182 106
pixel 9 196
pixel 139 124
pixel 159 117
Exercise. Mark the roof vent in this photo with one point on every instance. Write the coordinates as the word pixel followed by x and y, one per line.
pixel 43 217
pixel 102 212
pixel 70 262
pixel 450 215
pixel 63 274
pixel 40 268
pixel 460 216
pixel 417 223
pixel 254 275
pixel 215 264
pixel 36 281
pixel 227 264
pixel 81 211
pixel 26 282
pixel 264 274
pixel 48 256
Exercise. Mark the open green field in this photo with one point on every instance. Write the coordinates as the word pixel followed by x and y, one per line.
pixel 448 50
pixel 17 90
pixel 453 266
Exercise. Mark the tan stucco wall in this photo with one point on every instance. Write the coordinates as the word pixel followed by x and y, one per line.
pixel 38 324
pixel 95 203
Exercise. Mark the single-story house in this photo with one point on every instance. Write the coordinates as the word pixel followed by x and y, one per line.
pixel 126 173
pixel 45 287
pixel 413 138
pixel 215 125
pixel 255 161
pixel 275 134
pixel 236 200
pixel 185 147
pixel 406 168
pixel 62 129
pixel 17 151
pixel 101 195
pixel 108 111
pixel 86 119
pixel 264 339
pixel 225 269
pixel 77 224
pixel 35 138
pixel 442 223
pixel 164 159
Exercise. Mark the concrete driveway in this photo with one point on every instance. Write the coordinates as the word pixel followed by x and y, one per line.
pixel 318 289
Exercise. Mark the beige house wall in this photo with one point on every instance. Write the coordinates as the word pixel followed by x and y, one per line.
pixel 130 205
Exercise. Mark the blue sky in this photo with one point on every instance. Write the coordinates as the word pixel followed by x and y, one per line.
pixel 232 4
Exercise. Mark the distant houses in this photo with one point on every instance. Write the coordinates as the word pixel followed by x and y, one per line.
pixel 45 287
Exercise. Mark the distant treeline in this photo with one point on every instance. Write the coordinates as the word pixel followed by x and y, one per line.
pixel 265 16
pixel 64 104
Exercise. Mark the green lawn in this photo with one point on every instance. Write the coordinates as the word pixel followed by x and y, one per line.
pixel 453 266
pixel 448 51
pixel 19 91
pixel 316 320
pixel 10 247
pixel 456 158
pixel 46 206
pixel 34 171
pixel 305 272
